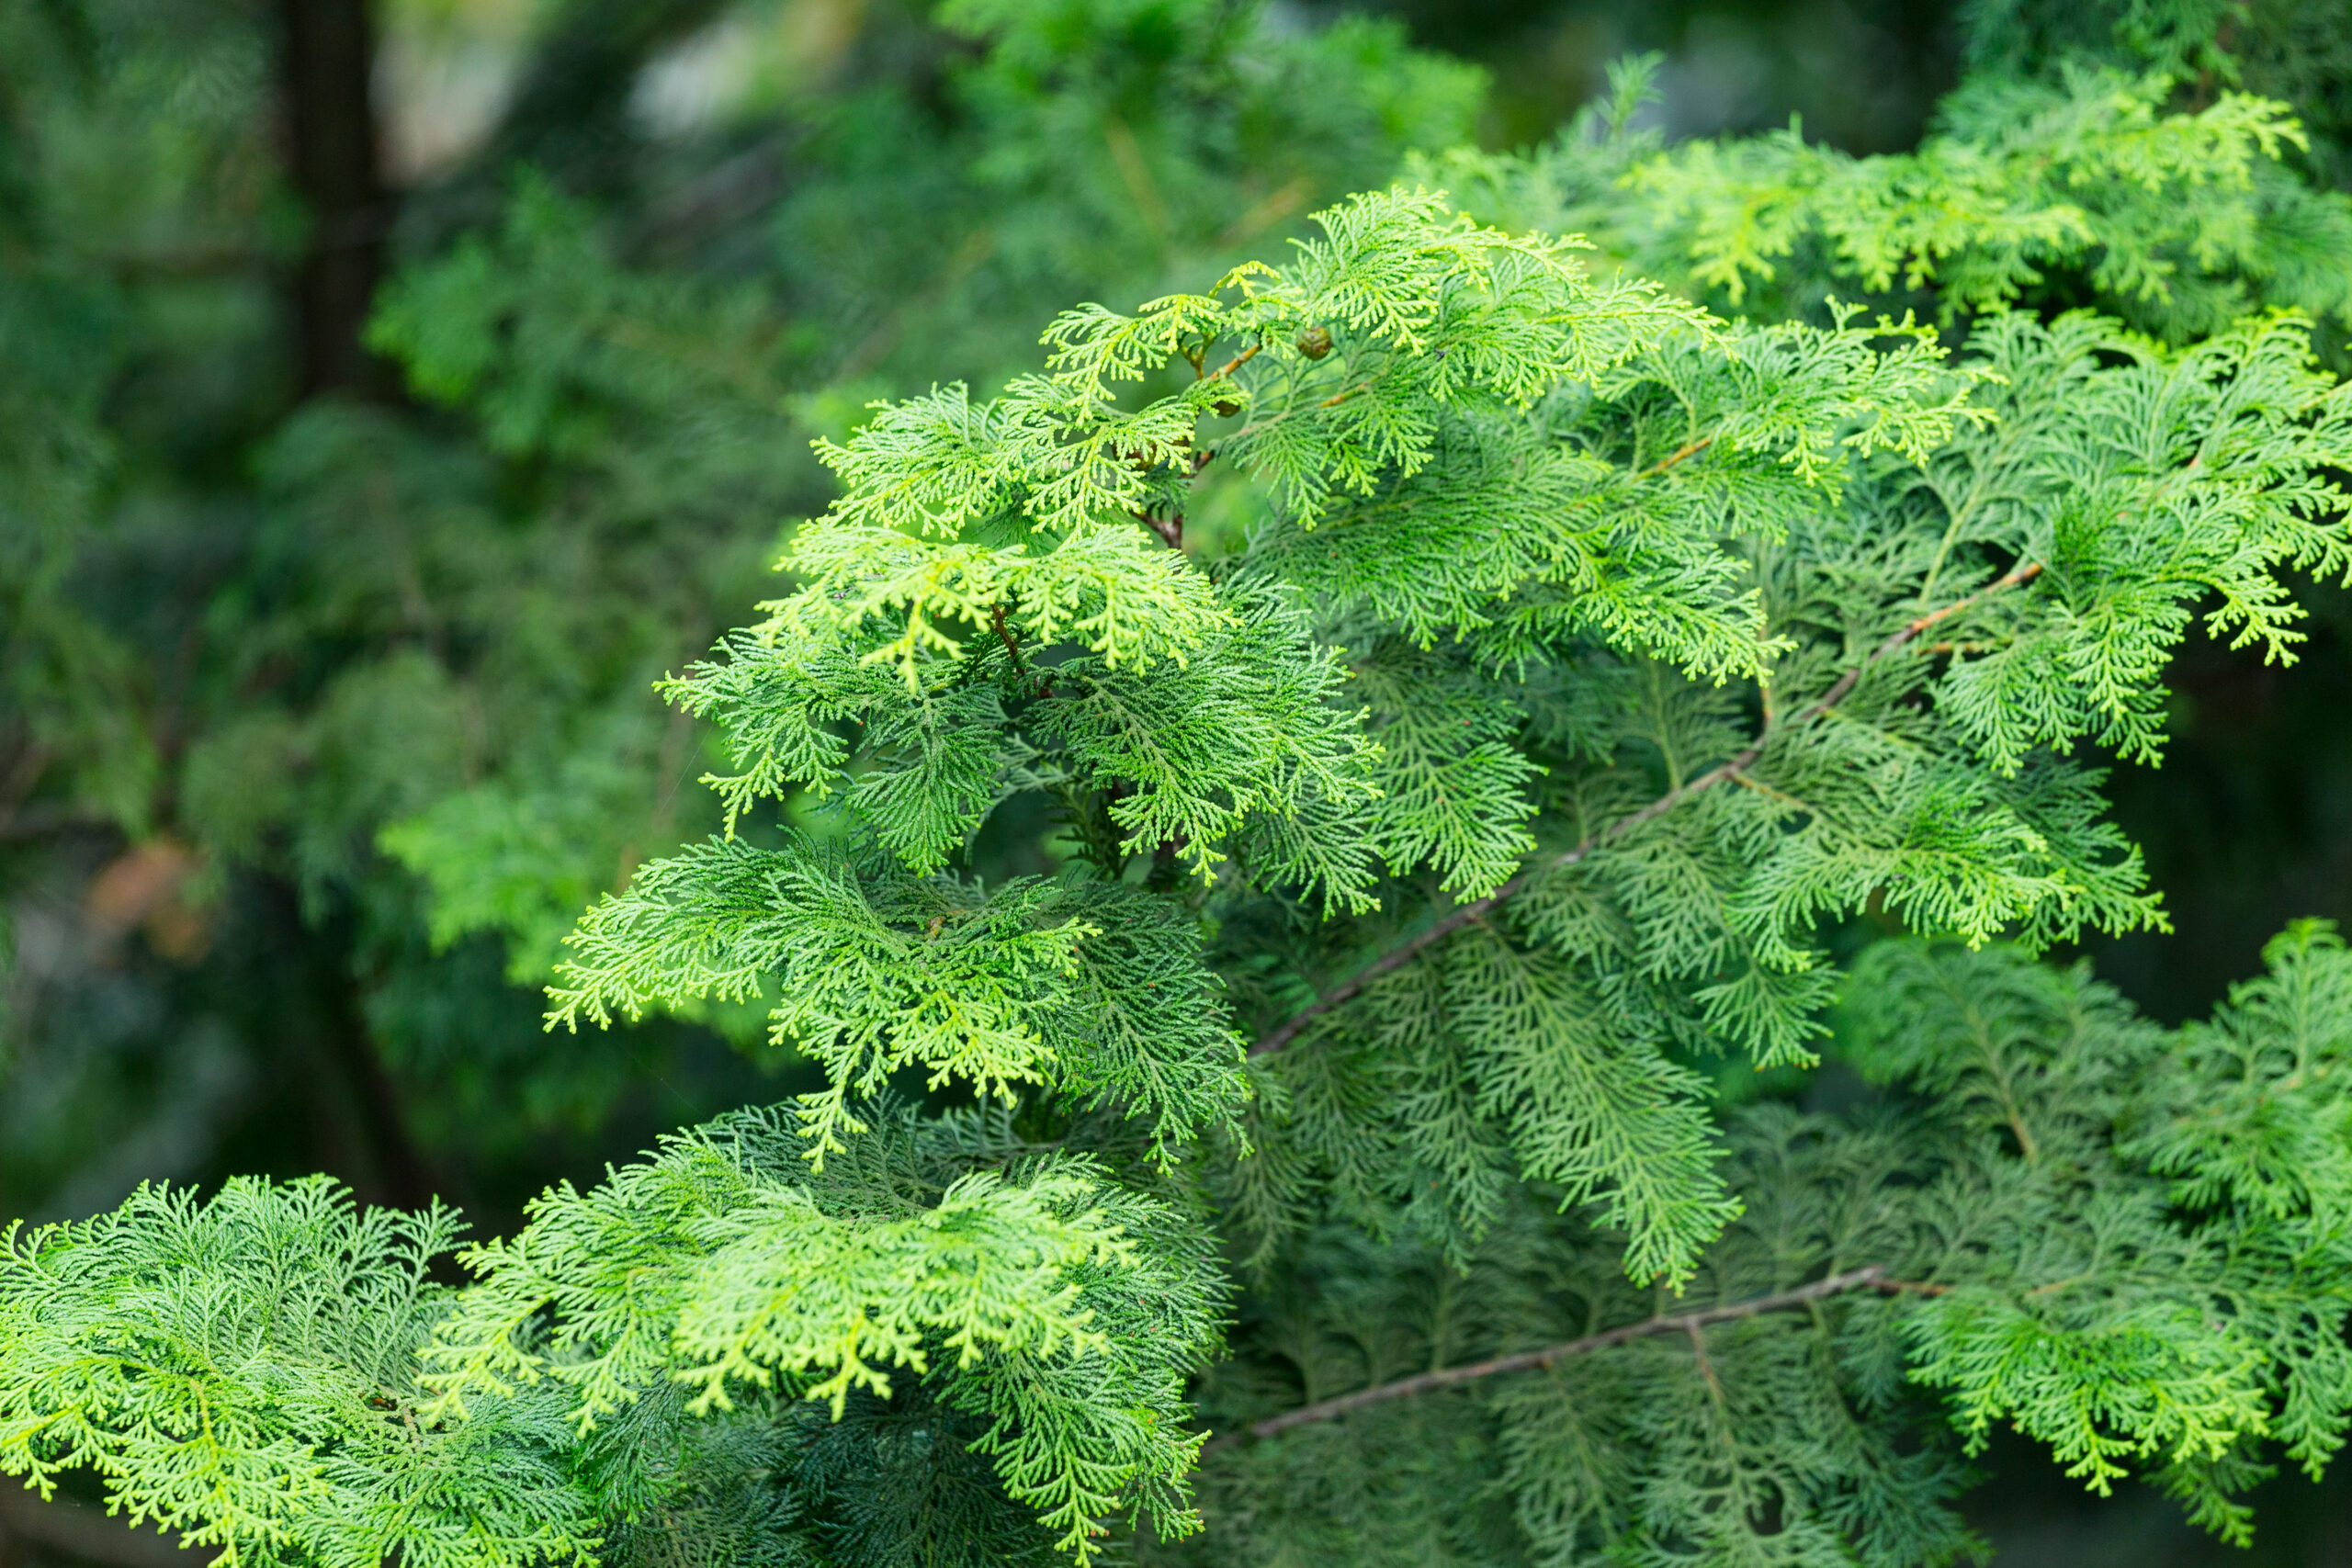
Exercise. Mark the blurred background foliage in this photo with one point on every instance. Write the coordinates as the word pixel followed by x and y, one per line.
pixel 393 392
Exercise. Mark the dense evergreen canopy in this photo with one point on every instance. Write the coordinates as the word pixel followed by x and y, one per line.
pixel 1294 863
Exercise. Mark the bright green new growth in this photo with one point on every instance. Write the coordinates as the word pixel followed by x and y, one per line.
pixel 1097 987
pixel 274 1374
pixel 1061 1309
pixel 244 1370
pixel 1423 842
pixel 2180 222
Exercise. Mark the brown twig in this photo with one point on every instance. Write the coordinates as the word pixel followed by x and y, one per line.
pixel 1004 635
pixel 1687 450
pixel 1240 359
pixel 1224 408
pixel 1042 686
pixel 1873 1278
pixel 1478 908
pixel 1698 1333
pixel 1171 528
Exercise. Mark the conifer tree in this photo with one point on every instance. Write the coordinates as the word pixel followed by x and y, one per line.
pixel 1468 691
pixel 1288 837
pixel 373 674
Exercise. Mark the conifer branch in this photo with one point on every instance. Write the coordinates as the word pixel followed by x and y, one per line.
pixel 1479 908
pixel 1004 635
pixel 1689 449
pixel 1171 528
pixel 1040 684
pixel 1238 360
pixel 1871 1278
pixel 1224 408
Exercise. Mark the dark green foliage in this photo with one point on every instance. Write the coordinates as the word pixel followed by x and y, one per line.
pixel 2056 1257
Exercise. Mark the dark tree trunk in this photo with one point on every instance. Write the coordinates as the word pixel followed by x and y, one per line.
pixel 570 114
pixel 342 1104
pixel 401 1175
pixel 332 156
